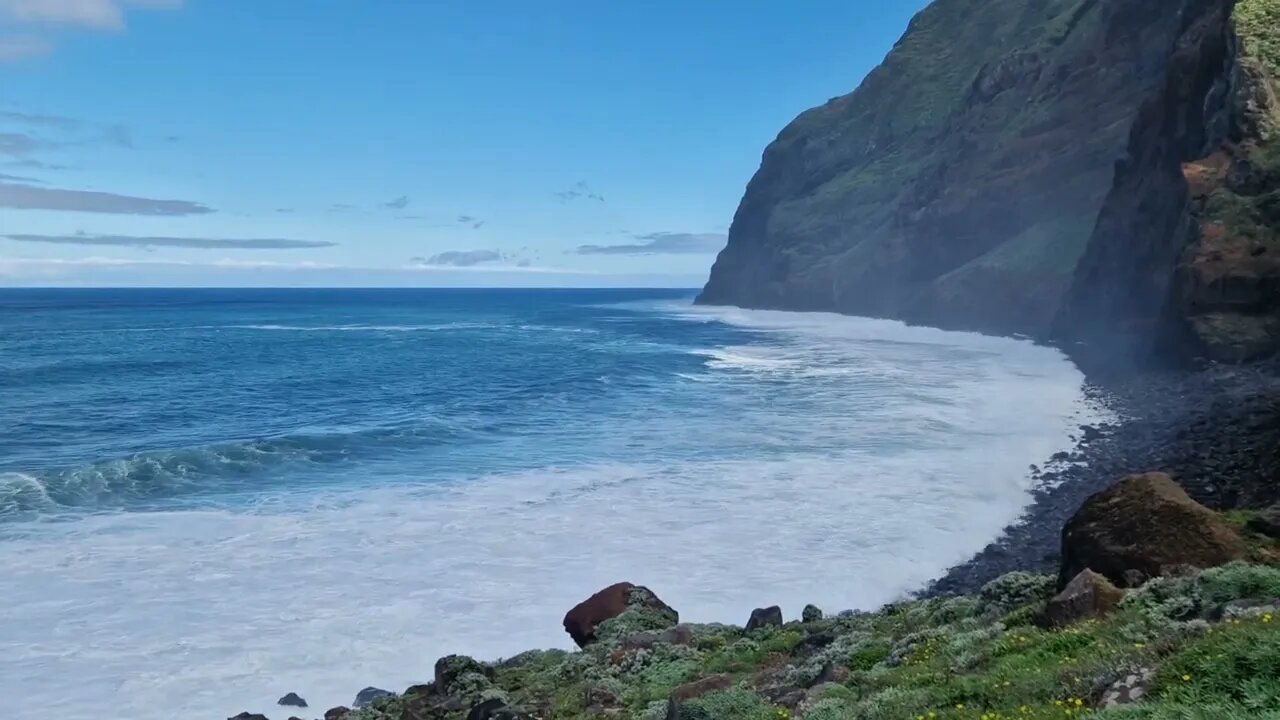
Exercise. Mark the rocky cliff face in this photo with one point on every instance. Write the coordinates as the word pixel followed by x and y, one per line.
pixel 1020 166
pixel 1184 256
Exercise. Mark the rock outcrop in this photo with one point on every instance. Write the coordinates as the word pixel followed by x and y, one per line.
pixel 1098 173
pixel 366 696
pixel 632 608
pixel 765 617
pixel 1089 595
pixel 1148 524
pixel 1266 522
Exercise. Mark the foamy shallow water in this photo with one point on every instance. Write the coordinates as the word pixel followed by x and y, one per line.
pixel 886 454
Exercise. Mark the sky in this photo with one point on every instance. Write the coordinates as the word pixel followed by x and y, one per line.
pixel 592 143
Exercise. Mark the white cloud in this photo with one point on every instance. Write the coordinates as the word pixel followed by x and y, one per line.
pixel 91 14
pixel 21 47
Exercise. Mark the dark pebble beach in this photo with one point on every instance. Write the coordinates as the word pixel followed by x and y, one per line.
pixel 1215 430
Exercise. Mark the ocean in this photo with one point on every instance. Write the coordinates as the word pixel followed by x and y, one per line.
pixel 209 498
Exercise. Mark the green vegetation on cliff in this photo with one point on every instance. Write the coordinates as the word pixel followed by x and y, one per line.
pixel 1258 23
pixel 959 185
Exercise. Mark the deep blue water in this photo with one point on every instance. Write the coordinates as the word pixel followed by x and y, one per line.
pixel 212 497
pixel 127 399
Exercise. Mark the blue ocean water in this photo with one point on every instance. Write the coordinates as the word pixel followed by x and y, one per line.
pixel 212 497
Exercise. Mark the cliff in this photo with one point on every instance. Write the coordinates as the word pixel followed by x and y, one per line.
pixel 1022 168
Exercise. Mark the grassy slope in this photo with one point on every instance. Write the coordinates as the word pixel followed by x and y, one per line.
pixel 967 658
pixel 884 136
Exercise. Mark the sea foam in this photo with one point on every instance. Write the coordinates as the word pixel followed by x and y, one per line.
pixel 880 455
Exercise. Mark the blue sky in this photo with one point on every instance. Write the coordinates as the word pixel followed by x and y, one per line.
pixel 389 142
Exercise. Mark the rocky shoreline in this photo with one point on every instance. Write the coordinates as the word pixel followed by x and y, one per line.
pixel 1160 608
pixel 1216 430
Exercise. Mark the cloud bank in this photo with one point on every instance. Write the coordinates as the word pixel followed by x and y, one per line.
pixel 175 242
pixel 22 196
pixel 662 243
pixel 460 258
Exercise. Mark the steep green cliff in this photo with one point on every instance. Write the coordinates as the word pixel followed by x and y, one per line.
pixel 1013 166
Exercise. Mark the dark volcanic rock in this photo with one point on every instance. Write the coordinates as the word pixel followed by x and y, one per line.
pixel 337 713
pixel 248 716
pixel 1145 523
pixel 368 695
pixel 1087 596
pixel 292 700
pixel 582 621
pixel 1267 522
pixel 811 613
pixel 764 617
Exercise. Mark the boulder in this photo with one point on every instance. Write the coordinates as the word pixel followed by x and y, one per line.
pixel 365 697
pixel 337 713
pixel 1087 596
pixel 292 700
pixel 1266 522
pixel 644 611
pixel 811 613
pixel 1145 523
pixel 248 716
pixel 764 617
pixel 694 690
pixel 451 668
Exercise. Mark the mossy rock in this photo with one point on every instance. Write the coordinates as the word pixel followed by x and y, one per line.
pixel 1148 524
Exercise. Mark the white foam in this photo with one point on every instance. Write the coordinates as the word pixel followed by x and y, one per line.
pixel 907 454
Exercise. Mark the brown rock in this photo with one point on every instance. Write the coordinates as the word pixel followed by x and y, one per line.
pixel 764 617
pixel 1145 523
pixel 337 713
pixel 581 622
pixel 1088 595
